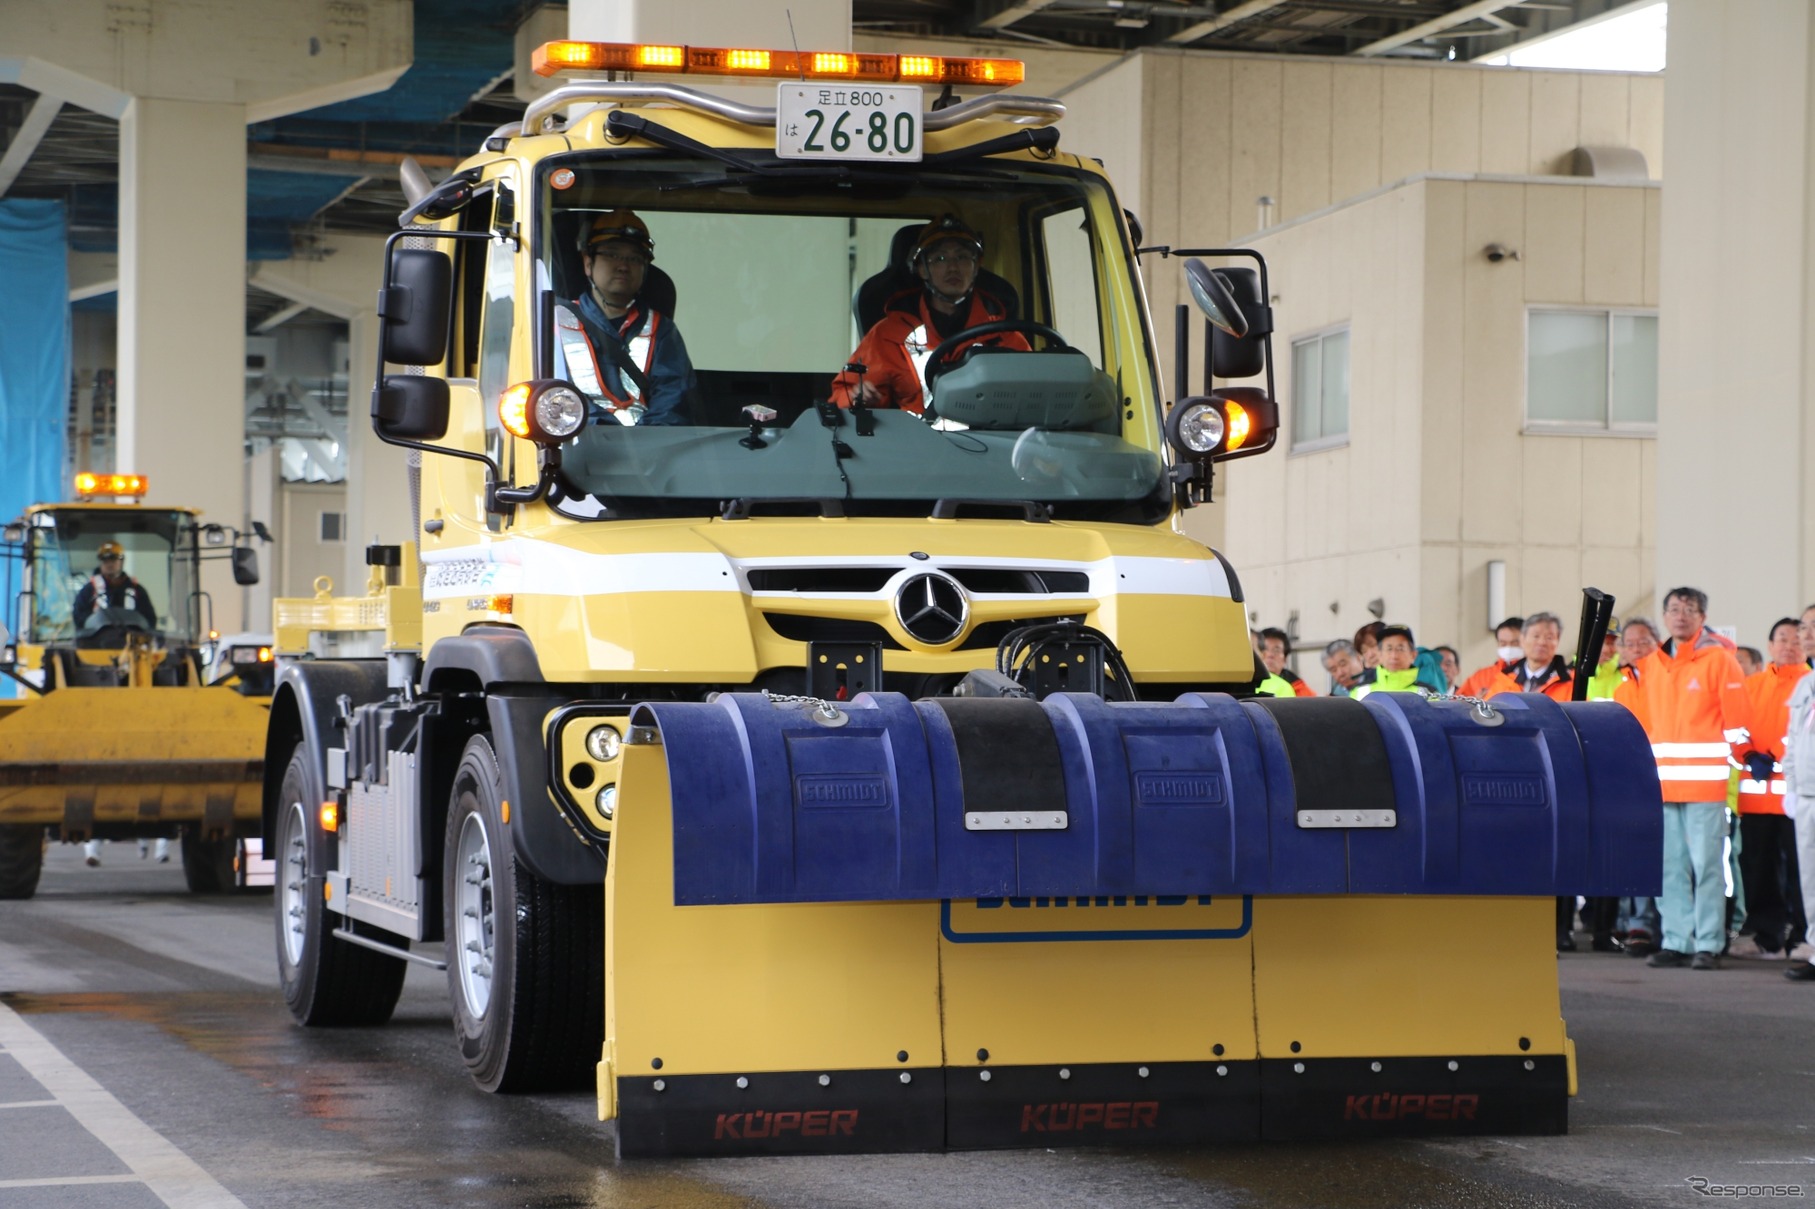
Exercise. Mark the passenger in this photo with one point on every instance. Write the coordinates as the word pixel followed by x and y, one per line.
pixel 1343 665
pixel 1507 650
pixel 1275 649
pixel 1541 669
pixel 109 587
pixel 1799 787
pixel 1767 848
pixel 1451 664
pixel 629 358
pixel 894 352
pixel 1693 703
pixel 1395 673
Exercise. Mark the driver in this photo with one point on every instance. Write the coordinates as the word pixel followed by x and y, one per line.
pixel 111 588
pixel 609 337
pixel 894 353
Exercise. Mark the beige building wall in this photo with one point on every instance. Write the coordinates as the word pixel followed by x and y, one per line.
pixel 1439 476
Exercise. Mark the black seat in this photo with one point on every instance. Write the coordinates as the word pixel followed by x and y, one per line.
pixel 873 296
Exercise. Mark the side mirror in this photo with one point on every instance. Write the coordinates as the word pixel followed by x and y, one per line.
pixel 245 566
pixel 415 307
pixel 409 407
pixel 1211 293
pixel 13 534
pixel 1243 354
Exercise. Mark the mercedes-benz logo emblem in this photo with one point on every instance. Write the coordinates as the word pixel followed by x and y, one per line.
pixel 932 609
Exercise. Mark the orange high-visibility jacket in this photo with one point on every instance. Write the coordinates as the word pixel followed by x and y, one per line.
pixel 1301 689
pixel 1692 700
pixel 1481 677
pixel 1768 695
pixel 1561 688
pixel 894 352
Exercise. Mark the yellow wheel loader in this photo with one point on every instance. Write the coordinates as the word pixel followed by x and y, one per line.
pixel 122 727
pixel 832 752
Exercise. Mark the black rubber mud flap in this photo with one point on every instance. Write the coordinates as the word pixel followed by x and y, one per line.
pixel 790 1112
pixel 1338 756
pixel 1413 1097
pixel 1102 1104
pixel 1008 755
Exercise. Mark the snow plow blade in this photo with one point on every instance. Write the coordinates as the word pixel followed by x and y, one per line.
pixel 899 925
pixel 80 758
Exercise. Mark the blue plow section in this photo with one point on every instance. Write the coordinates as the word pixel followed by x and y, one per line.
pixel 890 799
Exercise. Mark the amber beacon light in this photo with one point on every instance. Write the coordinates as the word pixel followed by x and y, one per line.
pixel 753 63
pixel 90 485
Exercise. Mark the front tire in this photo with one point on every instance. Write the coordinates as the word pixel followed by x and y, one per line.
pixel 525 958
pixel 21 859
pixel 325 980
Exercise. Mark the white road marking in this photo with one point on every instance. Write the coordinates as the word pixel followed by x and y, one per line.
pixel 30 1104
pixel 173 1176
pixel 69 1180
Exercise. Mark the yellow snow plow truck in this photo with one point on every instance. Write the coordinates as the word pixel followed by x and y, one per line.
pixel 128 723
pixel 838 751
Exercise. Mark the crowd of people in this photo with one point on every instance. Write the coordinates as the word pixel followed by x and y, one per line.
pixel 1732 729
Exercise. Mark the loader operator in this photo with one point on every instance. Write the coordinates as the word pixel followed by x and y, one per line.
pixel 894 352
pixel 111 588
pixel 627 356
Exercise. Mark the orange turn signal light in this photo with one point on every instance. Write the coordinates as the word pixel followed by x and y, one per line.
pixel 1239 424
pixel 513 410
pixel 553 57
pixel 330 816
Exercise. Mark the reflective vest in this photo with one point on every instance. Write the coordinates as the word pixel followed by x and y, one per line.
pixel 1692 700
pixel 132 596
pixel 636 331
pixel 1379 680
pixel 1276 686
pixel 1607 678
pixel 1768 693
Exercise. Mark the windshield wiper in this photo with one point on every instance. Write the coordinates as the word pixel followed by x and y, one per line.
pixel 744 506
pixel 623 123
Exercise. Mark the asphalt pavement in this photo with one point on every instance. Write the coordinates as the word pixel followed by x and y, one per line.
pixel 146 1059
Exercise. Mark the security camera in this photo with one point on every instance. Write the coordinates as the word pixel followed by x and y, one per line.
pixel 1496 252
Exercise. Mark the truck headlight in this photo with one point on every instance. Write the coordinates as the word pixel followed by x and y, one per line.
pixel 603 743
pixel 546 411
pixel 1196 428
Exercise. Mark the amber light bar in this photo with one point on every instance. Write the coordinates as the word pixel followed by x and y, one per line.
pixel 552 57
pixel 88 485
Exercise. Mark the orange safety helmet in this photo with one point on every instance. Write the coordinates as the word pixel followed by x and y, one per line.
pixel 622 225
pixel 111 550
pixel 946 226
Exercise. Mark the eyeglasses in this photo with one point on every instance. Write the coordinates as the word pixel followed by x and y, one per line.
pixel 964 258
pixel 110 558
pixel 621 256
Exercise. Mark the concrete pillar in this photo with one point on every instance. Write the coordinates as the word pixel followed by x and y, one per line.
pixel 1736 381
pixel 182 310
pixel 344 283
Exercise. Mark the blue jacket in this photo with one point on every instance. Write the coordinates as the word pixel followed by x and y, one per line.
pixel 670 370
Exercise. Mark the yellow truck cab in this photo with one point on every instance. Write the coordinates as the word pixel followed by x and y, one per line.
pixel 702 718
pixel 124 727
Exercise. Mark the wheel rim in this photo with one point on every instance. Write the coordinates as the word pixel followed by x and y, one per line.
pixel 293 884
pixel 474 915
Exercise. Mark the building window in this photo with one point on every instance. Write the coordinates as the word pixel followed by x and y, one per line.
pixel 332 527
pixel 1320 391
pixel 1591 371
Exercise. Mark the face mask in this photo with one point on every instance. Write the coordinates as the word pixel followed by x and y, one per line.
pixel 1510 653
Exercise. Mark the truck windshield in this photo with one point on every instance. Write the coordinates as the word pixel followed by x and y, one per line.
pixel 724 379
pixel 66 557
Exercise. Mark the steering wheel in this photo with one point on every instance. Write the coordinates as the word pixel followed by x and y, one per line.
pixel 107 627
pixel 940 361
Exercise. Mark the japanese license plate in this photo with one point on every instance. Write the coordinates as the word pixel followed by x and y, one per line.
pixel 847 122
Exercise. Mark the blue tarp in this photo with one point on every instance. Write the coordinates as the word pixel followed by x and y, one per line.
pixel 34 352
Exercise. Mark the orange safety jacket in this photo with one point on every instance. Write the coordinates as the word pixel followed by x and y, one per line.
pixel 1692 701
pixel 894 353
pixel 1300 688
pixel 1481 677
pixel 1768 693
pixel 1560 687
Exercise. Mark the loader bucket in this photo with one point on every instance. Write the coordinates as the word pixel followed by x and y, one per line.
pixel 897 925
pixel 81 757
